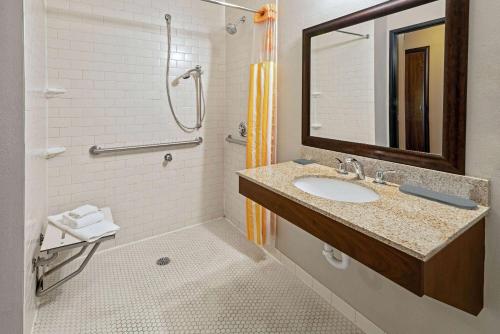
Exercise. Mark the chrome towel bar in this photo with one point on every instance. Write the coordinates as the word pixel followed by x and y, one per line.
pixel 230 139
pixel 95 150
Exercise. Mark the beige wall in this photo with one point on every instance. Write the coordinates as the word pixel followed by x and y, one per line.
pixel 389 306
pixel 11 166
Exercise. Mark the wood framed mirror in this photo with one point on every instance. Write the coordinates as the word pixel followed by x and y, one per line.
pixel 390 82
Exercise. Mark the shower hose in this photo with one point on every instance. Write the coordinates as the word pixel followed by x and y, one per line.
pixel 199 87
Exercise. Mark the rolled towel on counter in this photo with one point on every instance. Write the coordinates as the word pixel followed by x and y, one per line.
pixel 87 220
pixel 83 211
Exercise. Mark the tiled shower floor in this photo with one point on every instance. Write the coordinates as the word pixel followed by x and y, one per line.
pixel 216 282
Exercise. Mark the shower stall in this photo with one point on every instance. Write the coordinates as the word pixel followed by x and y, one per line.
pixel 125 105
pixel 145 97
pixel 139 108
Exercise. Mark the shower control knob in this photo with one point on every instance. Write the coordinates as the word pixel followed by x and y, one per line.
pixel 242 129
pixel 168 157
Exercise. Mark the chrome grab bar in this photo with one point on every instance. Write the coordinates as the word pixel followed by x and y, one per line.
pixel 95 150
pixel 230 139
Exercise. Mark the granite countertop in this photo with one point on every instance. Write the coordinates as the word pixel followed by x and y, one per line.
pixel 414 225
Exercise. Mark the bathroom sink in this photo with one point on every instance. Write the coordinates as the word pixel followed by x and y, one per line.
pixel 336 190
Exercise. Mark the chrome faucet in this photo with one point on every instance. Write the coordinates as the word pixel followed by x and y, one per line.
pixel 358 167
pixel 380 176
pixel 342 169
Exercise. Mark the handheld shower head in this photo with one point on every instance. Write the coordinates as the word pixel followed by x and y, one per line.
pixel 187 75
pixel 184 76
pixel 195 73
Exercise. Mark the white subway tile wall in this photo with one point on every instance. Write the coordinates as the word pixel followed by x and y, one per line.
pixel 36 142
pixel 111 57
pixel 342 85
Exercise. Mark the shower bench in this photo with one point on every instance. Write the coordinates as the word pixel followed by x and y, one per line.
pixel 52 243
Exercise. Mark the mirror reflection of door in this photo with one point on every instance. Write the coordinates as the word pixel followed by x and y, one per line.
pixel 417 99
pixel 416 87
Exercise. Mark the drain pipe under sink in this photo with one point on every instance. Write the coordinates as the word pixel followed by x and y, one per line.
pixel 328 253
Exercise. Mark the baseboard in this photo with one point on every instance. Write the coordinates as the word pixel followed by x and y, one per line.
pixel 338 303
pixel 158 236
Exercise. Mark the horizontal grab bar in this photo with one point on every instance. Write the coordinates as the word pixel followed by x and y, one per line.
pixel 230 139
pixel 95 150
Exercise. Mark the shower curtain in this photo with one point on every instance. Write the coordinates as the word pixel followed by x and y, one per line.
pixel 261 147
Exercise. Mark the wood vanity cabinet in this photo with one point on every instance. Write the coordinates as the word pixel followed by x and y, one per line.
pixel 454 275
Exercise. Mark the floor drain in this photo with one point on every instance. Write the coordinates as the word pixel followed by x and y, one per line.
pixel 163 261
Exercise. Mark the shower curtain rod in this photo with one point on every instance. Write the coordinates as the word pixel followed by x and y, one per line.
pixel 226 4
pixel 353 33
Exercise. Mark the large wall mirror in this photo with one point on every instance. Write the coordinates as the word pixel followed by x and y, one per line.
pixel 389 82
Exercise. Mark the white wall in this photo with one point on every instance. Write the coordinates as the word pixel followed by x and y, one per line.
pixel 342 72
pixel 11 166
pixel 389 306
pixel 36 142
pixel 111 58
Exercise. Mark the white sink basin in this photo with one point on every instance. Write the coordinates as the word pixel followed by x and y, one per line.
pixel 336 190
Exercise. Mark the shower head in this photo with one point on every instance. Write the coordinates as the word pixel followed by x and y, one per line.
pixel 231 28
pixel 168 18
pixel 187 75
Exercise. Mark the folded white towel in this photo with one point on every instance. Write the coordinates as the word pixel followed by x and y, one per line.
pixel 83 211
pixel 86 220
pixel 89 233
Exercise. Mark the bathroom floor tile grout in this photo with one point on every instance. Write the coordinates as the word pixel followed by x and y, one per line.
pixel 216 282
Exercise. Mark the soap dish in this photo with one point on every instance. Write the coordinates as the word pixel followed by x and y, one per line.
pixel 53 152
pixel 304 161
pixel 460 202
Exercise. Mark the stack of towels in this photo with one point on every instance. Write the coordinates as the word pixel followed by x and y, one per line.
pixel 87 222
pixel 82 216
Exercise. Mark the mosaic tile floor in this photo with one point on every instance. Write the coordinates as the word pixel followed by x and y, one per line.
pixel 216 282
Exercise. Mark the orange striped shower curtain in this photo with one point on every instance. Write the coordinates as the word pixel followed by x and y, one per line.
pixel 262 114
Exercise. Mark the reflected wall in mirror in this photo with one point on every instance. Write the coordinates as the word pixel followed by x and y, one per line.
pixel 342 83
pixel 352 70
pixel 383 78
